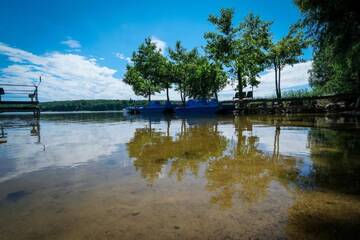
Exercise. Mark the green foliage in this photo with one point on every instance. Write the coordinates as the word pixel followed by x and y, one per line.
pixel 242 48
pixel 329 76
pixel 221 44
pixel 287 51
pixel 334 28
pixel 183 68
pixel 166 76
pixel 256 40
pixel 208 78
pixel 239 52
pixel 146 74
pixel 194 75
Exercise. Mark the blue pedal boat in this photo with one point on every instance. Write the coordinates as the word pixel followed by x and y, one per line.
pixel 201 106
pixel 155 107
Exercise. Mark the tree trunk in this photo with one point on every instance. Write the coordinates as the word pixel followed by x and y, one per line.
pixel 276 81
pixel 149 96
pixel 181 94
pixel 240 85
pixel 182 97
pixel 279 86
pixel 167 94
pixel 216 96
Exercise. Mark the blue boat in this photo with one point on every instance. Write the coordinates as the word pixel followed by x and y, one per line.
pixel 155 107
pixel 201 106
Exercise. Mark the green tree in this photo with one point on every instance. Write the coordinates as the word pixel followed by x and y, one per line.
pixel 255 42
pixel 166 76
pixel 182 70
pixel 208 79
pixel 334 28
pixel 145 74
pixel 287 51
pixel 241 49
pixel 327 76
pixel 217 78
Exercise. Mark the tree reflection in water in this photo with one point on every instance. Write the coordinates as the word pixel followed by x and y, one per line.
pixel 247 171
pixel 151 150
pixel 196 145
pixel 192 146
pixel 233 168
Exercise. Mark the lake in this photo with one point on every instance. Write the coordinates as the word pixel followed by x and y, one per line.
pixel 112 176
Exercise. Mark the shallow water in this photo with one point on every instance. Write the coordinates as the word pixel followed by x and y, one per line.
pixel 109 176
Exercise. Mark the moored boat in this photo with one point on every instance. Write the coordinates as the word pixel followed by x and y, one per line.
pixel 155 107
pixel 201 106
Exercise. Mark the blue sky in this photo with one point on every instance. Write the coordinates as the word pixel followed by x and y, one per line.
pixel 59 39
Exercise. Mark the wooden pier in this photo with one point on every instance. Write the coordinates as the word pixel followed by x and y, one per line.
pixel 20 98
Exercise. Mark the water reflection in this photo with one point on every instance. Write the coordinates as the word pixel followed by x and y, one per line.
pixel 336 159
pixel 195 145
pixel 2 135
pixel 237 156
pixel 32 124
pixel 64 140
pixel 190 147
pixel 290 176
pixel 231 166
pixel 247 172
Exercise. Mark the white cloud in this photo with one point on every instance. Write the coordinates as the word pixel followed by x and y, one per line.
pixel 160 44
pixel 123 57
pixel 67 146
pixel 65 76
pixel 291 77
pixel 71 43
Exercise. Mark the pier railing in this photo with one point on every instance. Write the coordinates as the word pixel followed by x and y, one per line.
pixel 19 97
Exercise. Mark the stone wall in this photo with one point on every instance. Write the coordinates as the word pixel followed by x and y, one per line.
pixel 323 104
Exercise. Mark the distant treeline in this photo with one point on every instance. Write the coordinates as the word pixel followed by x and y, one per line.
pixel 90 105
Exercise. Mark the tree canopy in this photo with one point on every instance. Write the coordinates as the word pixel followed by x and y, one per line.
pixel 147 71
pixel 208 79
pixel 242 48
pixel 287 51
pixel 183 67
pixel 241 51
pixel 334 28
